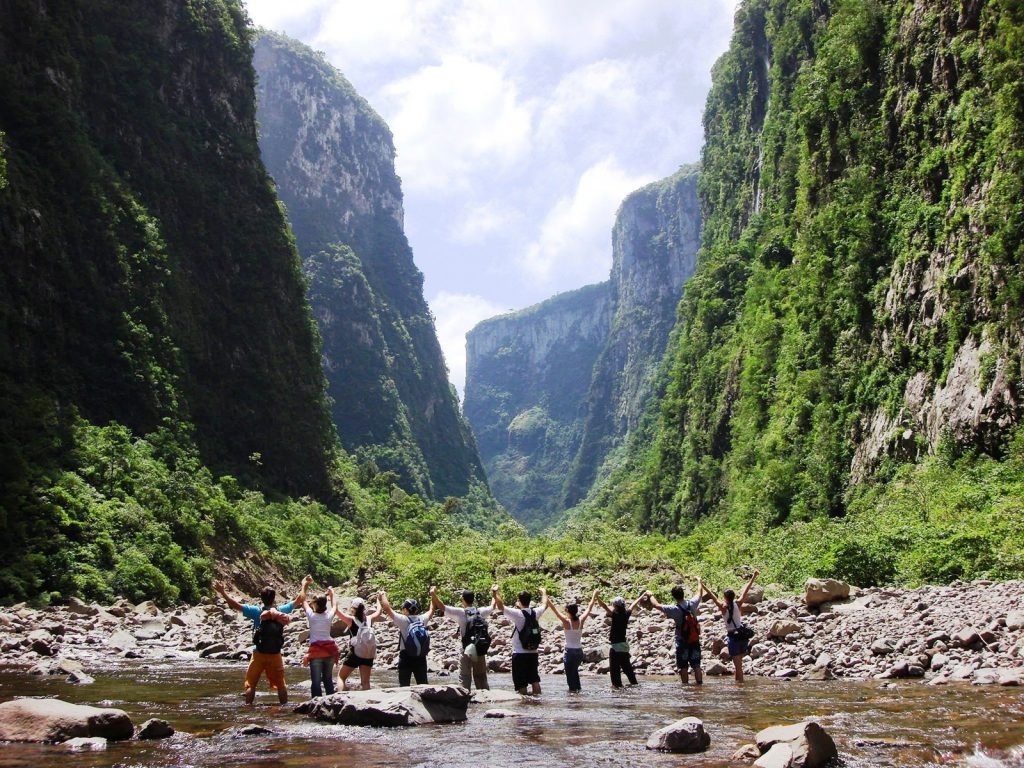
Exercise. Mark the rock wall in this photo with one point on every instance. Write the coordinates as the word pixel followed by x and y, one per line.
pixel 332 157
pixel 553 391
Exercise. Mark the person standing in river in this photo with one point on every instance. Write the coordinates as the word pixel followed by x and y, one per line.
pixel 684 614
pixel 525 638
pixel 323 651
pixel 362 642
pixel 474 639
pixel 572 624
pixel 413 640
pixel 619 660
pixel 268 639
pixel 737 634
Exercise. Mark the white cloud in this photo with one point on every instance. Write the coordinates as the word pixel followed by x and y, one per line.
pixel 574 245
pixel 453 120
pixel 478 221
pixel 455 314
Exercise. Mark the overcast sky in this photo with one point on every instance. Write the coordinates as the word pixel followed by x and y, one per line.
pixel 520 126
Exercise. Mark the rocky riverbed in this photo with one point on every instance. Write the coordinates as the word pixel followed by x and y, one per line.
pixel 972 632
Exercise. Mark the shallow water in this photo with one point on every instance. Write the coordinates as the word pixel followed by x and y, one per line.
pixel 908 725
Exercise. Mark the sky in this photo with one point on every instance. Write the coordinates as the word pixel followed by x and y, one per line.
pixel 519 128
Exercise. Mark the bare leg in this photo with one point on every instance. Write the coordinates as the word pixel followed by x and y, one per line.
pixel 343 676
pixel 738 663
pixel 698 676
pixel 364 677
pixel 536 688
pixel 282 695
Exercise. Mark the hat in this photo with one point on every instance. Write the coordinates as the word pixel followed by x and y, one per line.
pixel 358 602
pixel 619 601
pixel 411 606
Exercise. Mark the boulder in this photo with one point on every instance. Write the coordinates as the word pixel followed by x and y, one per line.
pixel 495 696
pixel 810 745
pixel 123 641
pixel 718 669
pixel 76 606
pixel 390 707
pixel 53 720
pixel 1015 620
pixel 779 756
pixel 821 591
pixel 150 629
pixel 85 744
pixel 79 678
pixel 966 638
pixel 147 608
pixel 500 713
pixel 783 629
pixel 883 646
pixel 155 728
pixel 746 754
pixel 686 735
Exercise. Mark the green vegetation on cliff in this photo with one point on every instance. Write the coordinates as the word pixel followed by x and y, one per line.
pixel 856 305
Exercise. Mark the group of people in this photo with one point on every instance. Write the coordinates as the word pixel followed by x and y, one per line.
pixel 324 654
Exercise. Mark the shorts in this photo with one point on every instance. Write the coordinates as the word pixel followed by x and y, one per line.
pixel 272 664
pixel 687 654
pixel 356 661
pixel 524 670
pixel 737 645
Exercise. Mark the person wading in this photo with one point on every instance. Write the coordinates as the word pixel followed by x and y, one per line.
pixel 474 636
pixel 323 651
pixel 267 640
pixel 525 638
pixel 737 634
pixel 619 660
pixel 413 639
pixel 684 614
pixel 572 625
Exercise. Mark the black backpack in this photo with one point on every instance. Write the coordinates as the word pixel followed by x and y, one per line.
pixel 268 637
pixel 476 632
pixel 529 635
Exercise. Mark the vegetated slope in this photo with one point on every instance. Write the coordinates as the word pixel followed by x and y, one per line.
pixel 332 158
pixel 148 282
pixel 858 300
pixel 553 391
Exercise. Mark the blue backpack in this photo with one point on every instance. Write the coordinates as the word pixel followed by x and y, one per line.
pixel 417 642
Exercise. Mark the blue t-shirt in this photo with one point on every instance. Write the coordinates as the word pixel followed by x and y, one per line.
pixel 679 610
pixel 253 611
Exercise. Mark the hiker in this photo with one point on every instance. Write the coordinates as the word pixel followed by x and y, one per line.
pixel 323 651
pixel 268 639
pixel 619 660
pixel 684 613
pixel 737 634
pixel 362 643
pixel 475 637
pixel 413 638
pixel 525 638
pixel 572 624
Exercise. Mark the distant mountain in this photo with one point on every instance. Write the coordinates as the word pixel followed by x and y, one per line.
pixel 553 391
pixel 332 158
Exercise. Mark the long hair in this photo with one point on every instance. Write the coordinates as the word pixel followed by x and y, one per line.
pixel 360 612
pixel 573 610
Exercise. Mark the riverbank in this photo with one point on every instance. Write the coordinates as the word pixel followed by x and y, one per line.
pixel 970 632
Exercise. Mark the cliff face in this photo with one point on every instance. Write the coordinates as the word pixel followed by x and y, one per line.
pixel 148 276
pixel 332 158
pixel 857 301
pixel 554 390
pixel 527 376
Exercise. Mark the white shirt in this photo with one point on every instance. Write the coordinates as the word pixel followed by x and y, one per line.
pixel 459 614
pixel 519 620
pixel 574 638
pixel 319 625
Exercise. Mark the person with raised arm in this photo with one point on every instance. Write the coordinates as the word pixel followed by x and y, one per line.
pixel 525 638
pixel 737 634
pixel 474 636
pixel 684 614
pixel 268 639
pixel 413 638
pixel 619 660
pixel 323 651
pixel 362 643
pixel 572 624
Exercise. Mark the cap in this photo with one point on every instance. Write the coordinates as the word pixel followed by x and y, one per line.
pixel 619 601
pixel 357 602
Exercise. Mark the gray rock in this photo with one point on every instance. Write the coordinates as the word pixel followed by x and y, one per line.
pixel 783 629
pixel 246 731
pixel 146 608
pixel 85 744
pixel 718 669
pixel 390 707
pixel 500 713
pixel 155 729
pixel 686 735
pixel 746 754
pixel 76 606
pixel 53 720
pixel 811 746
pixel 779 756
pixel 122 640
pixel 820 591
pixel 1015 620
pixel 495 696
pixel 216 648
pixel 79 678
pixel 882 647
pixel 966 637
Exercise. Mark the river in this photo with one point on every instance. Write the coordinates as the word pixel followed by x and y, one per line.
pixel 873 723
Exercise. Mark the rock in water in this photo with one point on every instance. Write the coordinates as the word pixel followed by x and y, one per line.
pixel 686 735
pixel 810 745
pixel 54 720
pixel 391 707
pixel 156 729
